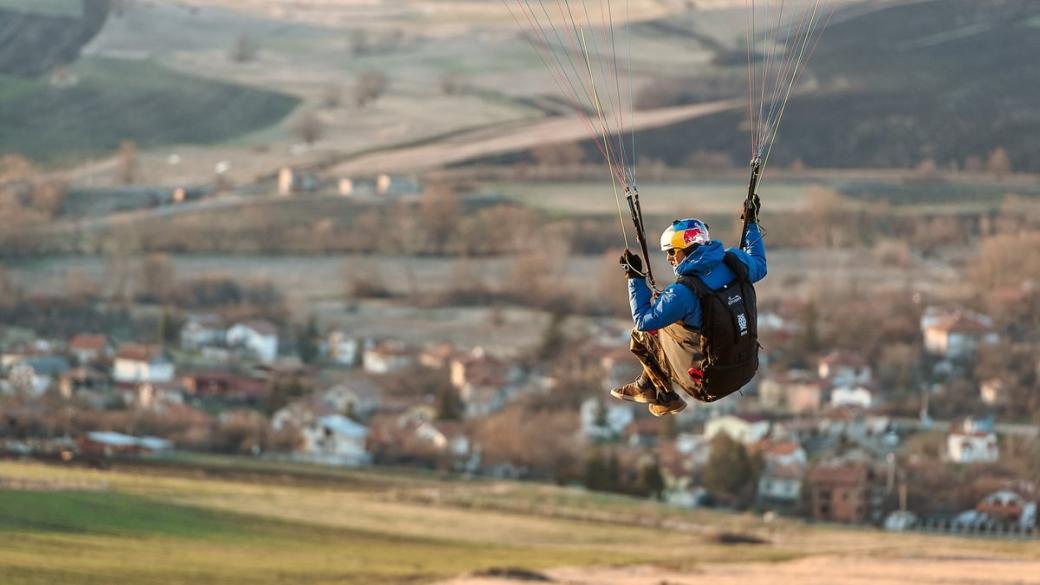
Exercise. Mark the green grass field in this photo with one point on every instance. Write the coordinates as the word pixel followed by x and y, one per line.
pixel 227 522
pixel 116 100
pixel 66 8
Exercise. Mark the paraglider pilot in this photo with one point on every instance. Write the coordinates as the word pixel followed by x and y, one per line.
pixel 700 333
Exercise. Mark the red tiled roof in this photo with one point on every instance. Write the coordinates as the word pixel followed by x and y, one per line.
pixel 85 342
pixel 139 352
pixel 841 473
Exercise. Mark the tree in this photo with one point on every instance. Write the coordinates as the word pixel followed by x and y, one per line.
pixel 999 163
pixel 449 403
pixel 440 210
pixel 157 279
pixel 650 482
pixel 127 162
pixel 553 338
pixel 369 87
pixel 245 49
pixel 309 127
pixel 730 471
pixel 559 155
pixel 307 340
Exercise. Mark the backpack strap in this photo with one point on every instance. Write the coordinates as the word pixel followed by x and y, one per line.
pixel 696 285
pixel 737 266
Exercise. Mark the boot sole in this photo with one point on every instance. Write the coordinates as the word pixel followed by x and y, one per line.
pixel 627 398
pixel 676 410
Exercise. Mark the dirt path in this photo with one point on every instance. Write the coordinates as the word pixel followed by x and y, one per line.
pixel 982 570
pixel 503 139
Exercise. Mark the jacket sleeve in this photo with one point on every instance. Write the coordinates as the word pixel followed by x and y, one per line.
pixel 754 253
pixel 674 304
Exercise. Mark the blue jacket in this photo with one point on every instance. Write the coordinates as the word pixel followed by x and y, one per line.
pixel 678 303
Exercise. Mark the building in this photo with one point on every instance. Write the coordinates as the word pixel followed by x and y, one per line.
pixel 481 381
pixel 603 420
pixel 844 369
pixel 973 441
pixel 137 363
pixel 993 392
pixel 794 391
pixel 335 440
pixel 855 396
pixel 292 181
pixel 955 334
pixel 202 330
pixel 744 429
pixel 225 385
pixel 344 350
pixel 88 349
pixel 35 374
pixel 780 485
pixel 437 356
pixel 258 338
pixel 387 357
pixel 843 491
pixel 1009 508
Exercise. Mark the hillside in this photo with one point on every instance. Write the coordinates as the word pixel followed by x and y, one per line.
pixel 210 521
pixel 940 79
pixel 116 100
pixel 38 35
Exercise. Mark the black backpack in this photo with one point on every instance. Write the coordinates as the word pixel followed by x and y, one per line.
pixel 729 332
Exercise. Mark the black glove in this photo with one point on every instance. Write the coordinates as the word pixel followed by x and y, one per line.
pixel 631 264
pixel 751 208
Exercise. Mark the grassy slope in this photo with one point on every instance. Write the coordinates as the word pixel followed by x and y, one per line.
pixel 69 8
pixel 127 100
pixel 175 527
pixel 943 79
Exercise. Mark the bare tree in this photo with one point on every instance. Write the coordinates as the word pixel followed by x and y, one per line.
pixel 158 277
pixel 440 210
pixel 369 87
pixel 127 162
pixel 245 49
pixel 309 127
pixel 999 163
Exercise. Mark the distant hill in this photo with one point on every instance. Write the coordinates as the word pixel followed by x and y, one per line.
pixel 942 79
pixel 38 35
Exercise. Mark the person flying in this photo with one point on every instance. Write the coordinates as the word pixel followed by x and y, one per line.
pixel 699 333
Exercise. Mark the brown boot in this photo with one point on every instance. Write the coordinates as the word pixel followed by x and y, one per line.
pixel 669 403
pixel 641 391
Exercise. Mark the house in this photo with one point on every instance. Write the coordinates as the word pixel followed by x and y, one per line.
pixel 993 392
pixel 35 374
pixel 136 363
pixel 780 484
pixel 841 490
pixel 1008 508
pixel 844 369
pixel 88 349
pixel 258 338
pixel 481 381
pixel 437 356
pixel 602 420
pixel 387 357
pixel 856 396
pixel 152 396
pixel 973 441
pixel 202 330
pixel 225 385
pixel 110 444
pixel 358 396
pixel 955 334
pixel 85 383
pixel 794 391
pixel 343 349
pixel 397 185
pixel 335 440
pixel 292 181
pixel 642 432
pixel 742 428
